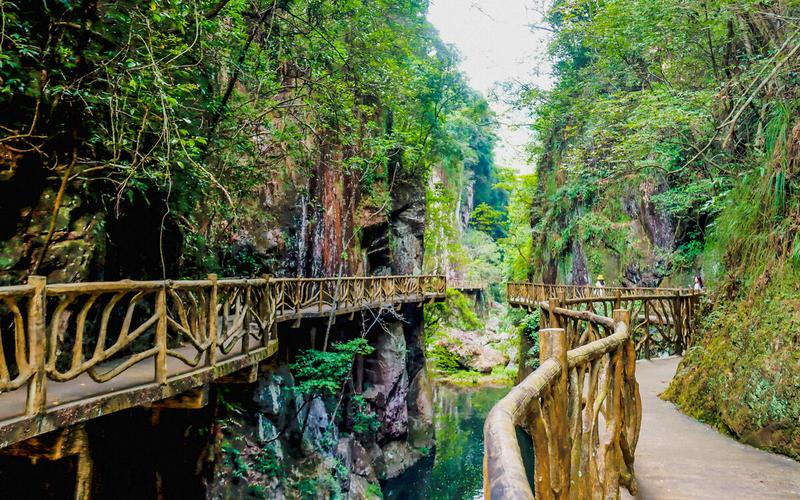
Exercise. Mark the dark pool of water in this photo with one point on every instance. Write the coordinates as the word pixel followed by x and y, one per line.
pixel 455 469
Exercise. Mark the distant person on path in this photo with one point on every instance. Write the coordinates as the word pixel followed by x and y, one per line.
pixel 601 283
pixel 698 283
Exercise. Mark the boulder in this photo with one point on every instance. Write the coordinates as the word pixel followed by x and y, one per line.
pixel 268 437
pixel 471 352
pixel 271 391
pixel 362 463
pixel 362 489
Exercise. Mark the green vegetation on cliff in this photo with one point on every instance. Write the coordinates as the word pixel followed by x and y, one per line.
pixel 240 136
pixel 670 146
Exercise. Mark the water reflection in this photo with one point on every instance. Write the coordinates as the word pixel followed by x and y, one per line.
pixel 455 470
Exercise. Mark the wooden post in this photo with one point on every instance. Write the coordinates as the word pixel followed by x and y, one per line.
pixel 618 299
pixel 83 474
pixel 246 324
pixel 268 309
pixel 161 336
pixel 646 307
pixel 630 410
pixel 553 303
pixel 690 302
pixel 553 344
pixel 359 382
pixel 211 354
pixel 677 322
pixel 37 345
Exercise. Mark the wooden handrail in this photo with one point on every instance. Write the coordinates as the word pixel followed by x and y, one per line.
pixel 564 403
pixel 662 319
pixel 101 329
pixel 467 284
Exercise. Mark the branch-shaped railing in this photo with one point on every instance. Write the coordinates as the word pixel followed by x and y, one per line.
pixel 662 319
pixel 581 408
pixel 60 332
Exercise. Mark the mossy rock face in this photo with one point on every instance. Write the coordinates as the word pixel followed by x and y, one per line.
pixel 743 376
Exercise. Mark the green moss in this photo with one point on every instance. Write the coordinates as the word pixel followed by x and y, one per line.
pixel 742 376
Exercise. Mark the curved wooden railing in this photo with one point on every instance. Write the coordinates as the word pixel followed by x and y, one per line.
pixel 542 291
pixel 581 407
pixel 58 333
pixel 662 319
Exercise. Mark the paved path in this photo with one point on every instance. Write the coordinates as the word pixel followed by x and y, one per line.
pixel 681 458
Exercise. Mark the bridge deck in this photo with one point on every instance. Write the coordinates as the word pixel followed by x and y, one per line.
pixel 681 458
pixel 82 398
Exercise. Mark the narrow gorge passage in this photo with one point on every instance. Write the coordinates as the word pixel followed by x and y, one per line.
pixel 314 249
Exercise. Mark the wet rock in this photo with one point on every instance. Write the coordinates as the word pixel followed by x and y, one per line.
pixel 377 460
pixel 362 489
pixel 344 451
pixel 399 456
pixel 315 417
pixel 270 394
pixel 362 463
pixel 407 227
pixel 420 411
pixel 386 383
pixel 268 436
pixel 355 458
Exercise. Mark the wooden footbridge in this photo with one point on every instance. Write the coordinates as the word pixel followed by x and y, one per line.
pixel 73 352
pixel 467 285
pixel 583 408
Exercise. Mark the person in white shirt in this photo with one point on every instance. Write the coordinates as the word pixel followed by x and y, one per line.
pixel 599 285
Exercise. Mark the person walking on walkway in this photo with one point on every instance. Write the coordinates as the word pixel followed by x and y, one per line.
pixel 599 285
pixel 698 283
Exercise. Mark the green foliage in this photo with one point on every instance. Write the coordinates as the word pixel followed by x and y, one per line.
pixel 487 219
pixel 374 491
pixel 456 311
pixel 308 488
pixel 365 421
pixel 266 463
pixel 321 373
pixel 530 329
pixel 636 117
pixel 193 107
pixel 234 461
pixel 444 360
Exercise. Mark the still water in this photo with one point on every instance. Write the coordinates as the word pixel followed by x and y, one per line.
pixel 455 470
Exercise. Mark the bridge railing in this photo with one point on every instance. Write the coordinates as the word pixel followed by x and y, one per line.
pixel 467 284
pixel 662 319
pixel 536 292
pixel 581 408
pixel 59 332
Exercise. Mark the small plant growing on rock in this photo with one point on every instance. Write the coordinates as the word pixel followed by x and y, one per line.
pixel 323 373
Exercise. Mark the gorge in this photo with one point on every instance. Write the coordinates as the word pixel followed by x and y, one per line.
pixel 278 248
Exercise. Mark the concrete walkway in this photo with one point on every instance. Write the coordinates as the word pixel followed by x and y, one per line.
pixel 681 458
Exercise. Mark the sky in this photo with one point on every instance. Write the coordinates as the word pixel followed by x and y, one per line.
pixel 497 43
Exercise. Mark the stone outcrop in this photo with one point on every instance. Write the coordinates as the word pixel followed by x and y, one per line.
pixel 386 383
pixel 473 350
